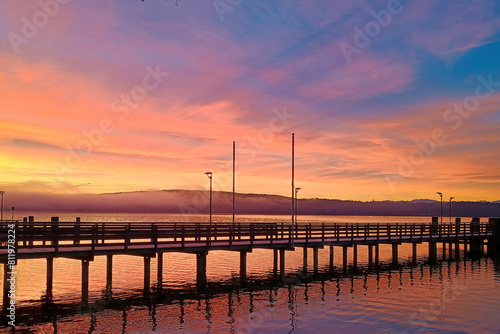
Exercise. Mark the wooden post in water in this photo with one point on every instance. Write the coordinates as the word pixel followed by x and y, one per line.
pixel 282 263
pixel 109 274
pixel 377 257
pixel 370 256
pixel 201 270
pixel 304 260
pixel 414 253
pixel 275 261
pixel 315 260
pixel 85 281
pixel 50 277
pixel 450 251
pixel 344 258
pixel 355 257
pixel 432 251
pixel 395 254
pixel 76 235
pixel 6 287
pixel 444 251
pixel 494 241
pixel 475 242
pixel 147 274
pixel 331 257
pixel 159 271
pixel 243 267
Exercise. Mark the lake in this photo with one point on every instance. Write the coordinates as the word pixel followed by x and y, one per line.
pixel 451 296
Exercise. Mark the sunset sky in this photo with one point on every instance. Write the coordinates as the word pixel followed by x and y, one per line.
pixel 388 100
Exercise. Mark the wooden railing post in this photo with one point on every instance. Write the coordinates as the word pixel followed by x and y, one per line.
pixel 76 238
pixel 252 233
pixel 183 236
pixel 127 237
pixel 307 234
pixel 209 235
pixel 290 236
pixel 94 239
pixel 154 236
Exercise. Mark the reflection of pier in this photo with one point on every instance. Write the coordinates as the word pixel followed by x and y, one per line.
pixel 84 241
pixel 246 311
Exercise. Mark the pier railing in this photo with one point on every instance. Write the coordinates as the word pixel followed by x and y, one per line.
pixel 60 235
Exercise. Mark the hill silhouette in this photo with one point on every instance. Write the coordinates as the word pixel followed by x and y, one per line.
pixel 197 201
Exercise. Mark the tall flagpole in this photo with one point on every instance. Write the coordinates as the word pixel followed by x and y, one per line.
pixel 234 172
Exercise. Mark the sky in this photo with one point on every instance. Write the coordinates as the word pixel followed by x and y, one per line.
pixel 388 100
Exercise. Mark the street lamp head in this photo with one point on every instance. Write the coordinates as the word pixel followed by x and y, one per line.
pixel 209 174
pixel 452 198
pixel 297 189
pixel 440 194
pixel 2 192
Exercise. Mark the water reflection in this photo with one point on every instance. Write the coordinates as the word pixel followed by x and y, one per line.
pixel 235 310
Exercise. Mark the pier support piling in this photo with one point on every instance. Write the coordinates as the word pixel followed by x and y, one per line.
pixel 85 281
pixel 50 277
pixel 159 271
pixel 450 251
pixel 243 267
pixel 275 261
pixel 147 273
pixel 377 255
pixel 109 274
pixel 344 258
pixel 475 247
pixel 494 241
pixel 6 287
pixel 315 260
pixel 414 253
pixel 304 260
pixel 201 270
pixel 457 250
pixel 355 257
pixel 282 263
pixel 395 254
pixel 444 251
pixel 432 251
pixel 331 258
pixel 370 256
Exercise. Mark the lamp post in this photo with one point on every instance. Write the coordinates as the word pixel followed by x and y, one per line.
pixel 451 199
pixel 441 194
pixel 1 215
pixel 210 174
pixel 296 210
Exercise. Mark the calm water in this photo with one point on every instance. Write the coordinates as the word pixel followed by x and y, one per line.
pixel 452 296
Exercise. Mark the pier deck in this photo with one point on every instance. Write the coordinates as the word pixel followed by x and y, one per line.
pixel 84 241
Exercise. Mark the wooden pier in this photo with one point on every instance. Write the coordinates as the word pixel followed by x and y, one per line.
pixel 84 241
